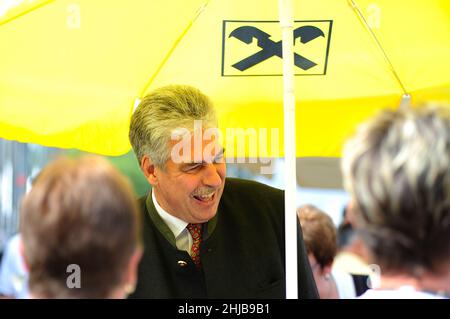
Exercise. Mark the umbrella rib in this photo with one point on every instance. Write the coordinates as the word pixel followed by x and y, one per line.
pixel 388 61
pixel 20 14
pixel 174 46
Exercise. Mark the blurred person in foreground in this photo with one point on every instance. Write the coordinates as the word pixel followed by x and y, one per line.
pixel 397 171
pixel 13 271
pixel 80 230
pixel 205 235
pixel 351 256
pixel 319 234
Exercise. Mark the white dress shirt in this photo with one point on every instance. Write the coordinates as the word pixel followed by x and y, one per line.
pixel 183 238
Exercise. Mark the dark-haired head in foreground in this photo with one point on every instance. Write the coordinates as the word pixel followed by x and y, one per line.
pixel 80 219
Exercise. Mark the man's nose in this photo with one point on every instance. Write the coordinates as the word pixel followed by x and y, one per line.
pixel 211 176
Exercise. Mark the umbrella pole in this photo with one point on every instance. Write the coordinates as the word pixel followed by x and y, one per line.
pixel 287 27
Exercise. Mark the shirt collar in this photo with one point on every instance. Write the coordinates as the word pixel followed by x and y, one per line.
pixel 175 224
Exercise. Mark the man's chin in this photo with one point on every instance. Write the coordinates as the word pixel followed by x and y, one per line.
pixel 204 214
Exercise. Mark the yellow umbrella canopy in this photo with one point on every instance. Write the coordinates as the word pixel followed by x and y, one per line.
pixel 71 71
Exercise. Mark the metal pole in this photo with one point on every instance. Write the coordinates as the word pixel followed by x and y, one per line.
pixel 287 27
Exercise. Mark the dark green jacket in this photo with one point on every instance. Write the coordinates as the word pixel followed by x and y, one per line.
pixel 242 250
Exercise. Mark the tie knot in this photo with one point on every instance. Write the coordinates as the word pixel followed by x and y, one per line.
pixel 195 230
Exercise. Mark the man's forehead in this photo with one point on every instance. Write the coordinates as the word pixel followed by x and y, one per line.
pixel 195 148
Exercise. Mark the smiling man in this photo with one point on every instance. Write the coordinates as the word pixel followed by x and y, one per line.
pixel 205 235
pixel 187 188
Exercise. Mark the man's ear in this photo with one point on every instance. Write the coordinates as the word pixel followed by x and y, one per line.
pixel 148 168
pixel 22 255
pixel 132 271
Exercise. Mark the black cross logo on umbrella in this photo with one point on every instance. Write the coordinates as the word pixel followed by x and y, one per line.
pixel 271 48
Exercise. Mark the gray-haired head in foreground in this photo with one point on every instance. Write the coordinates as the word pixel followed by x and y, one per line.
pixel 161 112
pixel 397 170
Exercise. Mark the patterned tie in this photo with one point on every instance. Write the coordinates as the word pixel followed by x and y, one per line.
pixel 196 233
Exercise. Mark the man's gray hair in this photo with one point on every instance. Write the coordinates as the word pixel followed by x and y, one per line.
pixel 397 171
pixel 160 113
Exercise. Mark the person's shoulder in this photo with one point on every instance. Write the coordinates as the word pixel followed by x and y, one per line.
pixel 141 200
pixel 245 185
pixel 255 202
pixel 142 203
pixel 405 292
pixel 252 193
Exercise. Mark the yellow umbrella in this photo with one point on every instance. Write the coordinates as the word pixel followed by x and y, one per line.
pixel 71 70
